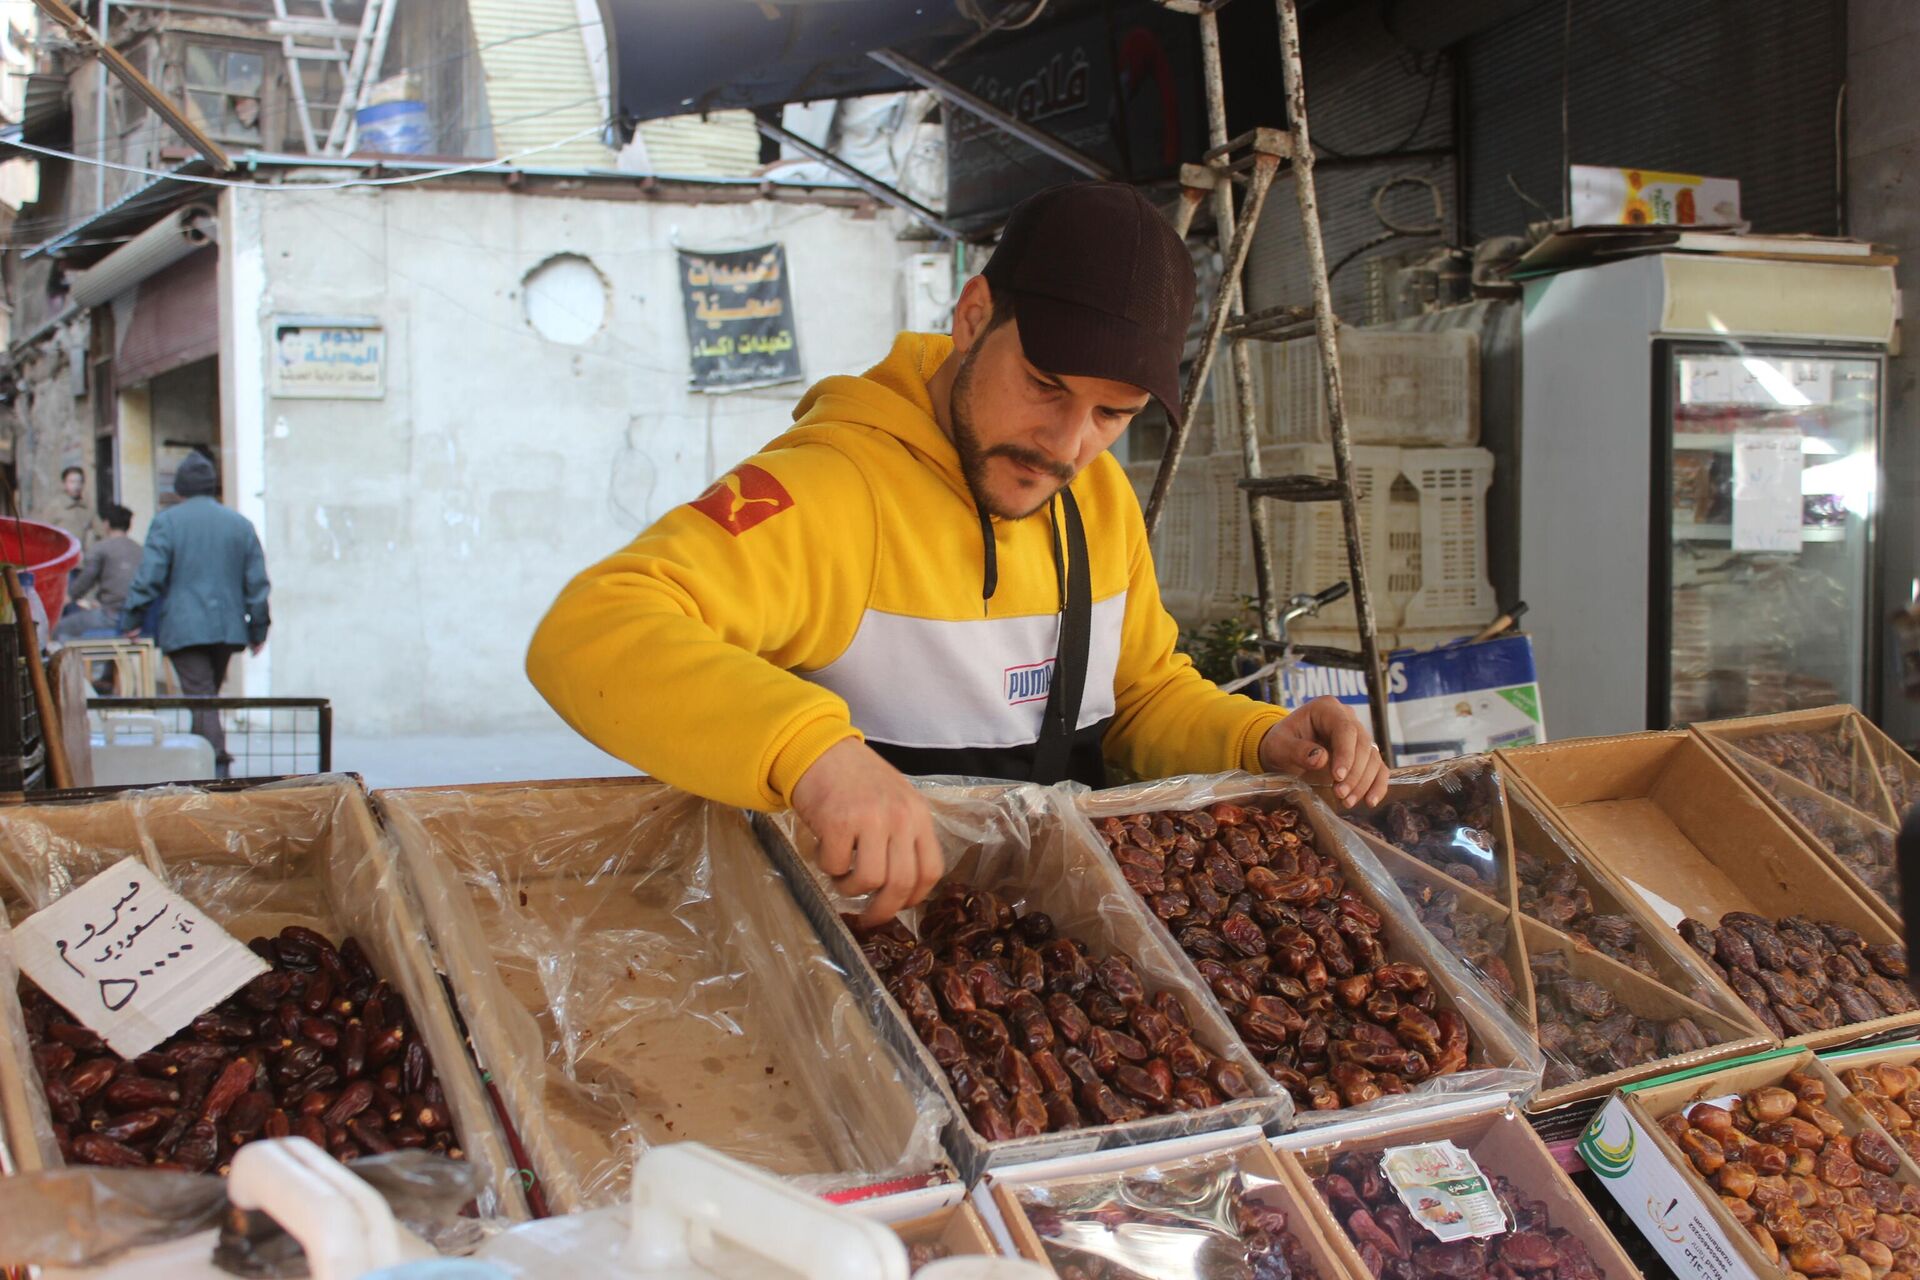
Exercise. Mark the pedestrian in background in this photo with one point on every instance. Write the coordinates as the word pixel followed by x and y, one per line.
pixel 205 560
pixel 71 512
pixel 100 586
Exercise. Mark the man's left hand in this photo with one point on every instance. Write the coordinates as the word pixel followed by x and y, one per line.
pixel 1326 737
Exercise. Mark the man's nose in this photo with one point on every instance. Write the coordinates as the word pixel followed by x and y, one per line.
pixel 1065 433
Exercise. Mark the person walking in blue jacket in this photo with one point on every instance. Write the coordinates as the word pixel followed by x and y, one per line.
pixel 204 564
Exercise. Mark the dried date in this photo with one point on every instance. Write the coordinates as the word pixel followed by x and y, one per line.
pixel 241 1071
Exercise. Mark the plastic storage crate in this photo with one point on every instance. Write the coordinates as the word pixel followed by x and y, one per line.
pixel 1405 389
pixel 1454 588
pixel 1183 546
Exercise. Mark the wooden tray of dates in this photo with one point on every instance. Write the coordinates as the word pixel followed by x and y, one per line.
pixel 1351 1006
pixel 1554 1234
pixel 1797 1174
pixel 291 865
pixel 1835 750
pixel 1240 1213
pixel 1667 821
pixel 1034 993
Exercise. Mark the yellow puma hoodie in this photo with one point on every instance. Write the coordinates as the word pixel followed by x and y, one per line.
pixel 832 587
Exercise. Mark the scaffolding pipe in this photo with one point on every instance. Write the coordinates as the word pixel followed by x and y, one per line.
pixel 1294 81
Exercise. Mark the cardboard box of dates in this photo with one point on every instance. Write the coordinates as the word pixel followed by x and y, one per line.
pixel 1837 780
pixel 351 1006
pixel 1306 946
pixel 953 1232
pixel 1760 1168
pixel 1034 991
pixel 1461 1196
pixel 1242 1210
pixel 635 972
pixel 1596 979
pixel 1671 823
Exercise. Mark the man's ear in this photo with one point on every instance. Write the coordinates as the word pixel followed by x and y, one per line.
pixel 972 314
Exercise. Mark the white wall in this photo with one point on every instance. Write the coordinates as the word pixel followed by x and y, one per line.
pixel 414 541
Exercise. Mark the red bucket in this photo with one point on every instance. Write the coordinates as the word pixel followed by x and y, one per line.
pixel 46 551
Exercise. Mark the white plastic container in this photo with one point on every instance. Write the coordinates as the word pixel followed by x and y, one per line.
pixel 133 749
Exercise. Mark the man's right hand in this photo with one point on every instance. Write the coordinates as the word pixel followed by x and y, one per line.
pixel 876 832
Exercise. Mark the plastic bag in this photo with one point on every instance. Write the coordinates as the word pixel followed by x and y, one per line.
pixel 1449 817
pixel 1833 760
pixel 1534 1220
pixel 1858 842
pixel 1018 843
pixel 1228 1213
pixel 1500 1056
pixel 633 971
pixel 83 1216
pixel 306 852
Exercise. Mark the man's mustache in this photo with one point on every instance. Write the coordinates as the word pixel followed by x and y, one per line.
pixel 1028 457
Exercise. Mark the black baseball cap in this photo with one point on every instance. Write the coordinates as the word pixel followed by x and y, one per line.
pixel 1101 287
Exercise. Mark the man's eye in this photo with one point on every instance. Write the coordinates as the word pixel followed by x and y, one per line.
pixel 1046 388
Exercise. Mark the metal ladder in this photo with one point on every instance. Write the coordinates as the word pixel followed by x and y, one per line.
pixel 320 37
pixel 1254 160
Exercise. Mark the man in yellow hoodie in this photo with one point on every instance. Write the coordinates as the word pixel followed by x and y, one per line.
pixel 940 569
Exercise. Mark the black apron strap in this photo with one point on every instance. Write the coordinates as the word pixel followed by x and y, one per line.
pixel 1062 716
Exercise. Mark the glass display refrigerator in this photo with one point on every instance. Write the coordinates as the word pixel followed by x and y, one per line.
pixel 1700 486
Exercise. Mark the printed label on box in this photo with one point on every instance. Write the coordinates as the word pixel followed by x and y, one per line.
pixel 1445 1191
pixel 131 959
pixel 1664 1202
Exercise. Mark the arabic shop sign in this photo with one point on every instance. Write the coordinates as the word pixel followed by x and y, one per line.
pixel 131 959
pixel 740 322
pixel 320 358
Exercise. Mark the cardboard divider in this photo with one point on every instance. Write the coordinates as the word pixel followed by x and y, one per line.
pixel 1862 742
pixel 1013 840
pixel 1501 1053
pixel 1282 1185
pixel 1644 1169
pixel 636 973
pixel 1406 869
pixel 1502 1144
pixel 1645 998
pixel 1670 821
pixel 958 1229
pixel 1858 847
pixel 1677 965
pixel 255 860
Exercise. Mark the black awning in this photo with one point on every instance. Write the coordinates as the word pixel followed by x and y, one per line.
pixel 676 57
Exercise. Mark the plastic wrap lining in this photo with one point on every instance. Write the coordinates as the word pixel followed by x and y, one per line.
pixel 1502 1058
pixel 1860 843
pixel 1223 1214
pixel 635 972
pixel 306 853
pixel 1019 843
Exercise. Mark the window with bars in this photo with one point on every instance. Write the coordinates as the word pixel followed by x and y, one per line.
pixel 224 90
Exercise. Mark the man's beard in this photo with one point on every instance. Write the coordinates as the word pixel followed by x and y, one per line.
pixel 974 459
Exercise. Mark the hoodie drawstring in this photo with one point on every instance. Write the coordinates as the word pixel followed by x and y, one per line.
pixel 990 580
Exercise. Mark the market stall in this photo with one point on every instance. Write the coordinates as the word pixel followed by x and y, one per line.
pixel 1197 1027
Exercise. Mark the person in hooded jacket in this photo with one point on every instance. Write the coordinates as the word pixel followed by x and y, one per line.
pixel 204 560
pixel 939 570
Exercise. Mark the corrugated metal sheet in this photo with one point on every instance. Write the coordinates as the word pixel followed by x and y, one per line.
pixel 723 145
pixel 176 320
pixel 1362 99
pixel 1733 88
pixel 539 88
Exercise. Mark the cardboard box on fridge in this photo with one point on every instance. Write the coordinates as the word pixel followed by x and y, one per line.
pixel 1669 821
pixel 1678 1212
pixel 1646 197
pixel 1456 700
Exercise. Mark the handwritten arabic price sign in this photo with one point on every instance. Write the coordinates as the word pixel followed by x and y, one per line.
pixel 740 322
pixel 132 959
